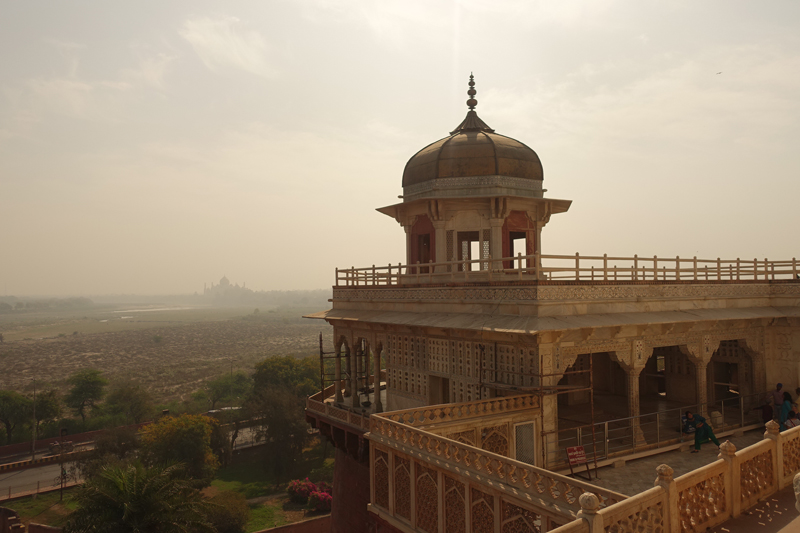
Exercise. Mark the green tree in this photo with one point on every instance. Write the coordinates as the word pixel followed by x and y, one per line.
pixel 298 375
pixel 281 425
pixel 48 407
pixel 130 400
pixel 87 387
pixel 134 499
pixel 15 409
pixel 116 446
pixel 228 388
pixel 186 439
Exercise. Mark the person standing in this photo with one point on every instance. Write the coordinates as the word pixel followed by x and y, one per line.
pixel 776 397
pixel 702 431
pixel 786 408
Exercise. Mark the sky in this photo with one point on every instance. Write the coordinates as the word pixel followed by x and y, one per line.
pixel 151 147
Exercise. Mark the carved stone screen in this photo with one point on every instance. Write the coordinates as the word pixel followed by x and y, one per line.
pixel 525 443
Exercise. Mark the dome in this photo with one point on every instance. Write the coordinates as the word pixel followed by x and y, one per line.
pixel 468 153
pixel 473 161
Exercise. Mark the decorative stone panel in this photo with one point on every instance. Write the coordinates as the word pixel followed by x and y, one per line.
pixel 455 506
pixel 427 499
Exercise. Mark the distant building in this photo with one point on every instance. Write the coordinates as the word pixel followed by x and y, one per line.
pixel 225 292
pixel 499 357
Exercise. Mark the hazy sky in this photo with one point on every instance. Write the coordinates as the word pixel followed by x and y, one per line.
pixel 148 147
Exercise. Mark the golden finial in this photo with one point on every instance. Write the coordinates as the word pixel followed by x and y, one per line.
pixel 472 102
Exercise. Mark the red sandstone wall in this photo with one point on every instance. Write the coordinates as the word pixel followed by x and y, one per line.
pixel 350 495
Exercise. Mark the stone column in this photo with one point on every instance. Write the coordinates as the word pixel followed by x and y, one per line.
pixel 377 358
pixel 338 375
pixel 440 251
pixel 632 374
pixel 701 381
pixel 496 246
pixel 348 370
pixel 355 366
pixel 408 245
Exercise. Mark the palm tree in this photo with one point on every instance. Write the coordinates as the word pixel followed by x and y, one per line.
pixel 133 499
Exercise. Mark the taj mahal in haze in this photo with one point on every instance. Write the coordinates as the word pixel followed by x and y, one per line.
pixel 462 387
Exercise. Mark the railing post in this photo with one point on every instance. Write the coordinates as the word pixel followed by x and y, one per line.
pixel 337 276
pixel 767 269
pixel 417 271
pixel 537 264
pixel 733 489
pixel 719 270
pixel 519 265
pixel 773 433
pixel 605 436
pixel 577 266
pixel 655 267
pixel 635 266
pixel 590 505
pixel 694 267
pixel 665 480
pixel 353 275
pixel 605 267
pixel 794 268
pixel 592 272
pixel 738 269
pixel 755 269
pixel 677 268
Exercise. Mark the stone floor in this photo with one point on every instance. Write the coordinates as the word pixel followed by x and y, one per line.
pixel 638 475
pixel 776 514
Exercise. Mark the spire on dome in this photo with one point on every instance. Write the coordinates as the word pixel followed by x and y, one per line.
pixel 472 122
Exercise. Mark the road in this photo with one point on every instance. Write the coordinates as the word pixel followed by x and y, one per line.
pixel 26 480
pixel 46 476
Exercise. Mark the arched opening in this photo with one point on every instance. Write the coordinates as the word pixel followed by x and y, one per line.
pixel 422 243
pixel 668 381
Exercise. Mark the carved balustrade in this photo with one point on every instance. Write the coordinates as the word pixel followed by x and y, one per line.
pixel 537 489
pixel 571 268
pixel 424 416
pixel 703 498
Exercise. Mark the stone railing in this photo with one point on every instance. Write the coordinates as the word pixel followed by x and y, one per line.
pixel 703 498
pixel 498 485
pixel 462 411
pixel 571 268
pixel 317 404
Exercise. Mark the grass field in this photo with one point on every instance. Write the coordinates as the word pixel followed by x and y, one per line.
pixel 44 508
pixel 170 351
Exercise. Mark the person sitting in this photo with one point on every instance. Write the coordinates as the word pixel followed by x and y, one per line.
pixel 792 421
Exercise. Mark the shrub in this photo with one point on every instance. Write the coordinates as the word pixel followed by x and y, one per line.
pixel 228 512
pixel 320 501
pixel 324 486
pixel 299 491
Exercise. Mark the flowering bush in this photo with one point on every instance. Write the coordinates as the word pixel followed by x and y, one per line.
pixel 299 491
pixel 324 486
pixel 320 501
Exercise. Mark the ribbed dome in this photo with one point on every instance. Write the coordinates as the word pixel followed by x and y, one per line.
pixel 473 152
